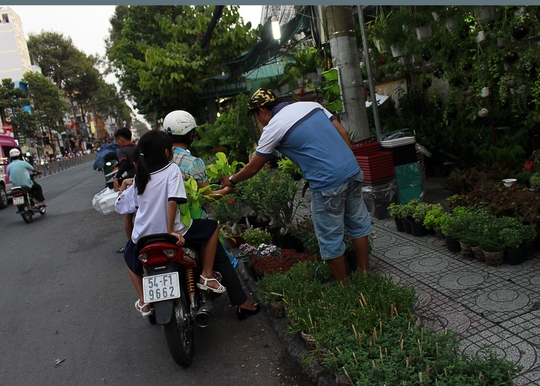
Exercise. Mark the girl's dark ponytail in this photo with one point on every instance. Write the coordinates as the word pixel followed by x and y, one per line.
pixel 152 146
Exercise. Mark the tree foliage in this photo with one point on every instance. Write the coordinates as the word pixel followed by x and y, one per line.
pixel 48 101
pixel 158 57
pixel 12 101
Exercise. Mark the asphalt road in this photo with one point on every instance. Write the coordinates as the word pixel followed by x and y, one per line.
pixel 66 296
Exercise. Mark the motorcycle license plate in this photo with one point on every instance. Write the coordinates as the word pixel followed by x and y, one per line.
pixel 161 287
pixel 18 200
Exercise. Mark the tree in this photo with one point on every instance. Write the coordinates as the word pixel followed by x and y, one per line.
pixel 12 102
pixel 48 101
pixel 163 54
pixel 55 54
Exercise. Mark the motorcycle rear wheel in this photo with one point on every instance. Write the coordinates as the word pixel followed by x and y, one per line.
pixel 179 333
pixel 27 217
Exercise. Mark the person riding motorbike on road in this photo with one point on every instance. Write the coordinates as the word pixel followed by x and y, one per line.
pixel 18 174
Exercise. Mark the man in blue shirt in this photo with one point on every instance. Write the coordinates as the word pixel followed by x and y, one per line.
pixel 311 137
pixel 18 174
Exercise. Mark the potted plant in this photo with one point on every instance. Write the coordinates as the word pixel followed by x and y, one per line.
pixel 528 241
pixel 288 166
pixel 434 218
pixel 273 193
pixel 228 211
pixel 395 211
pixel 407 212
pixel 419 214
pixel 305 232
pixel 492 242
pixel 256 236
pixel 452 227
pixel 221 167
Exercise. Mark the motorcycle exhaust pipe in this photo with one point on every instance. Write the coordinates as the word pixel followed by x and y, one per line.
pixel 204 314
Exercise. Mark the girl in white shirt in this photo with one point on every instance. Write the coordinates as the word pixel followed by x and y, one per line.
pixel 157 190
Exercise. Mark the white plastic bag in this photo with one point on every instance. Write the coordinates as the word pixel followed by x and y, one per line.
pixel 104 201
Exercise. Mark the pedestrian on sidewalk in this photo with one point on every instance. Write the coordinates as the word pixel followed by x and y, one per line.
pixel 311 137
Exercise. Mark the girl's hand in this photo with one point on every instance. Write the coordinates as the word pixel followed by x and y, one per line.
pixel 181 241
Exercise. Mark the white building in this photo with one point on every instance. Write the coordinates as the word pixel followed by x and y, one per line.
pixel 14 57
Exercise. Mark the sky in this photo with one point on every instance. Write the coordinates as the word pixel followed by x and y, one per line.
pixel 88 25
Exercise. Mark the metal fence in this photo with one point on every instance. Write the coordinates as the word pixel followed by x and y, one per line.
pixel 56 167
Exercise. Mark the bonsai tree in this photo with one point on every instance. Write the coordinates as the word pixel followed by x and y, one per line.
pixel 272 193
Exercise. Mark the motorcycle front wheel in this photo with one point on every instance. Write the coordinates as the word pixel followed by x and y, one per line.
pixel 179 333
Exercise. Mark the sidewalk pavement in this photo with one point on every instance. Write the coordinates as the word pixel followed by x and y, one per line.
pixel 488 307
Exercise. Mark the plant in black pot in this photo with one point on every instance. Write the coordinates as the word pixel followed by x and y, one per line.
pixel 514 233
pixel 274 193
pixel 530 236
pixel 408 212
pixel 395 211
pixel 492 242
pixel 434 218
pixel 420 212
pixel 452 228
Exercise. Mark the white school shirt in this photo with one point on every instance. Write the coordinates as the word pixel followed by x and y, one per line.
pixel 165 185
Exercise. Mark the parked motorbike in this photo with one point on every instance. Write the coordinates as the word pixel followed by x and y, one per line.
pixel 27 205
pixel 169 287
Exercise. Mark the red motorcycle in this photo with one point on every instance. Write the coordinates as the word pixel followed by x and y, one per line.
pixel 169 287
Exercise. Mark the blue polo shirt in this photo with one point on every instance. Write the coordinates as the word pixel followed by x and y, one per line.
pixel 303 132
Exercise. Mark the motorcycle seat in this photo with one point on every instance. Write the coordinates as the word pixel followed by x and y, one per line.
pixel 155 238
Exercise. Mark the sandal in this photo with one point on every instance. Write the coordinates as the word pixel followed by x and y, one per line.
pixel 204 286
pixel 140 308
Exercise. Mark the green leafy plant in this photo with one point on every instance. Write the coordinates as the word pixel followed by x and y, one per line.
pixel 535 182
pixel 434 217
pixel 290 167
pixel 221 167
pixel 227 211
pixel 195 198
pixel 395 210
pixel 421 210
pixel 379 339
pixel 410 208
pixel 256 236
pixel 273 193
pixel 452 227
pixel 305 232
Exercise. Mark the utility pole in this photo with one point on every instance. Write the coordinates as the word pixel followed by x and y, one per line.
pixel 341 33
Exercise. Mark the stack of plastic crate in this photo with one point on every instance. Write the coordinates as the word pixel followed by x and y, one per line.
pixel 379 185
pixel 407 168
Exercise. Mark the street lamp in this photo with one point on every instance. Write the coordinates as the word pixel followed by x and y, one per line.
pixel 276 31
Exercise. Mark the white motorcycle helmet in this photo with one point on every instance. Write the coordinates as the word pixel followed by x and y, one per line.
pixel 179 122
pixel 14 153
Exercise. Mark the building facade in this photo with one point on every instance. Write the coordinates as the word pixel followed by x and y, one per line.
pixel 14 56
